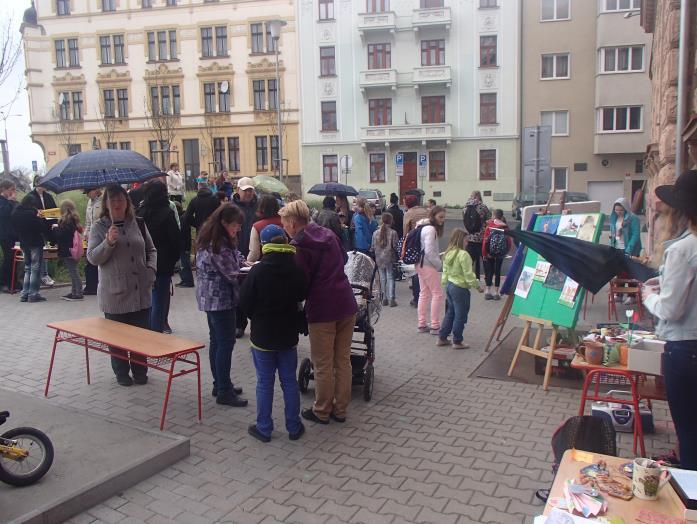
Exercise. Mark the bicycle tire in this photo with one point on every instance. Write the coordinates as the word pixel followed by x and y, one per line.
pixel 44 464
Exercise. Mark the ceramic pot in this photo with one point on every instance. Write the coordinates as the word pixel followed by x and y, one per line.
pixel 594 353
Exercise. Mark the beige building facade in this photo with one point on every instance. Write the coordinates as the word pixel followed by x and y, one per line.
pixel 585 74
pixel 186 81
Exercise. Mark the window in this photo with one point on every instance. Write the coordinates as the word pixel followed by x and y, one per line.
pixel 432 52
pixel 219 153
pixel 221 40
pixel 257 38
pixel 109 108
pixel 146 4
pixel 270 42
pixel 125 146
pixel 162 45
pixel 487 108
pixel 62 7
pixel 554 10
pixel 172 44
pixel 328 116
pixel 119 57
pixel 425 4
pixel 487 164
pixel 273 94
pixel 233 148
pixel 64 106
pixel 488 3
pixel 436 166
pixel 108 5
pixel 622 5
pixel 207 41
pixel 209 97
pixel 259 95
pixel 432 109
pixel 557 120
pixel 377 167
pixel 171 3
pixel 166 100
pixel 223 97
pixel 327 65
pixel 213 92
pixel 377 6
pixel 559 177
pixel 555 66
pixel 73 53
pixel 262 153
pixel 112 145
pixel 487 51
pixel 326 9
pixel 60 53
pixel 77 105
pixel 380 112
pixel 624 118
pixel 622 59
pixel 274 152
pixel 152 49
pixel 105 49
pixel 330 168
pixel 639 166
pixel 379 56
pixel 74 149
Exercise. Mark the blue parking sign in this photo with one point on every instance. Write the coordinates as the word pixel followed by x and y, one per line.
pixel 422 161
pixel 399 159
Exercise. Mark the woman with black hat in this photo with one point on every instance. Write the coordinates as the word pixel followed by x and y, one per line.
pixel 672 298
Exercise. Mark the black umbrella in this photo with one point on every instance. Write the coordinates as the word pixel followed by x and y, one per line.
pixel 332 189
pixel 99 168
pixel 591 265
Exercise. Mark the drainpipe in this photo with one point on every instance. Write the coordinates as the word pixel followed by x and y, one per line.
pixel 521 98
pixel 682 84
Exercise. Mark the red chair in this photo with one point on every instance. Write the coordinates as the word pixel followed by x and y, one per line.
pixel 627 287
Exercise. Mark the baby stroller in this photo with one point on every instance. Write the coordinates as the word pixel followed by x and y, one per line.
pixel 360 270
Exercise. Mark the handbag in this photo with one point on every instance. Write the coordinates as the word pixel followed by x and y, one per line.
pixel 77 249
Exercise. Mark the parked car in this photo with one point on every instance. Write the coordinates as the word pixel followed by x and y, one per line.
pixel 522 200
pixel 373 196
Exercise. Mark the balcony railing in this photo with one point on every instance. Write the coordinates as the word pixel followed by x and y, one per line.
pixel 407 133
pixel 432 75
pixel 431 17
pixel 374 22
pixel 378 78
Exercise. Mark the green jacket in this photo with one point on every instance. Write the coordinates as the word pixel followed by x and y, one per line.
pixel 457 268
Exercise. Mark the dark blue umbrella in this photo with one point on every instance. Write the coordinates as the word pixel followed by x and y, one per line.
pixel 99 168
pixel 332 189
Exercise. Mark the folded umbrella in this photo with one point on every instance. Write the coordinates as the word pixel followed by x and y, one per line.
pixel 99 168
pixel 591 265
pixel 332 189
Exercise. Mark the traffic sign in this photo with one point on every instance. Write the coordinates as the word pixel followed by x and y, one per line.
pixel 422 161
pixel 399 159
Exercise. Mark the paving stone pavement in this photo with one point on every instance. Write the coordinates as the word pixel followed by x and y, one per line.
pixel 432 446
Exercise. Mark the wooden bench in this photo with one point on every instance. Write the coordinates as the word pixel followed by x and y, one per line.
pixel 161 352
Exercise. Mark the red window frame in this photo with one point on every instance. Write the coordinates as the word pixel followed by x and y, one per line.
pixel 327 61
pixel 432 109
pixel 377 167
pixel 487 164
pixel 425 4
pixel 330 167
pixel 487 50
pixel 326 9
pixel 487 108
pixel 432 52
pixel 377 6
pixel 379 56
pixel 380 112
pixel 436 166
pixel 328 116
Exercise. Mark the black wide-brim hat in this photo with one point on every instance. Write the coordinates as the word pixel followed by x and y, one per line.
pixel 683 194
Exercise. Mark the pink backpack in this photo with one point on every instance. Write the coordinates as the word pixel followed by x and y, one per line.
pixel 77 249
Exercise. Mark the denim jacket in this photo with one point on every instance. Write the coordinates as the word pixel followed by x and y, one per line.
pixel 217 288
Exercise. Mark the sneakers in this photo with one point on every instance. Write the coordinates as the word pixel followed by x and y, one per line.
pixel 47 281
pixel 423 329
pixel 236 391
pixel 488 296
pixel 70 297
pixel 230 399
pixel 300 433
pixel 24 298
pixel 37 298
pixel 435 332
pixel 413 303
pixel 460 345
pixel 385 302
pixel 308 414
pixel 393 303
pixel 183 284
pixel 497 297
pixel 253 431
pixel 337 418
pixel 442 342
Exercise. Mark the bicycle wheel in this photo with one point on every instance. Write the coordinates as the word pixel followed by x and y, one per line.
pixel 33 467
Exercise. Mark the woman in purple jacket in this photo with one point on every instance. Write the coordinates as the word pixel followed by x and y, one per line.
pixel 218 263
pixel 330 309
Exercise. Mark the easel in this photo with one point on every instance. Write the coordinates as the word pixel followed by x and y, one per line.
pixel 536 348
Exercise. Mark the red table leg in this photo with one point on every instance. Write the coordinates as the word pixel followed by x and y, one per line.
pixel 198 380
pixel 50 367
pixel 169 387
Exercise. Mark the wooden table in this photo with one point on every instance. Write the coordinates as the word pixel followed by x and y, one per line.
pixel 667 503
pixel 641 387
pixel 161 352
pixel 50 253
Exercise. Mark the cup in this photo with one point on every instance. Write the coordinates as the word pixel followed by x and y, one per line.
pixel 648 478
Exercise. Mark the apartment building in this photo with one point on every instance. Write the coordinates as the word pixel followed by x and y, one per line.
pixel 187 81
pixel 419 93
pixel 585 73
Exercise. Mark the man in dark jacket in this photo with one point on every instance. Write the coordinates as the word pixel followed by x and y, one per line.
pixel 274 331
pixel 328 217
pixel 31 230
pixel 397 215
pixel 197 212
pixel 44 200
pixel 8 202
pixel 246 200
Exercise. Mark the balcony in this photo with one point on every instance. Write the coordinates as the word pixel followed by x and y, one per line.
pixel 378 78
pixel 377 22
pixel 406 133
pixel 432 76
pixel 436 17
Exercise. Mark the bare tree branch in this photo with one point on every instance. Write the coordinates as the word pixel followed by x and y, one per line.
pixel 10 49
pixel 107 124
pixel 161 123
pixel 66 129
pixel 211 126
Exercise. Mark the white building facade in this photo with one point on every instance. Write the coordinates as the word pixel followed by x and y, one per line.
pixel 433 84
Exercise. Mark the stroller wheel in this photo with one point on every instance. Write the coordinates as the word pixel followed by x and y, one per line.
pixel 304 375
pixel 368 382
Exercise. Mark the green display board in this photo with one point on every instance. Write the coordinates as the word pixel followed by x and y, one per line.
pixel 550 296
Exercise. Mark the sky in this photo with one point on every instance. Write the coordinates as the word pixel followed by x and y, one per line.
pixel 22 150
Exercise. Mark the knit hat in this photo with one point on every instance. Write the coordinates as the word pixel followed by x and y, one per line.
pixel 271 232
pixel 411 200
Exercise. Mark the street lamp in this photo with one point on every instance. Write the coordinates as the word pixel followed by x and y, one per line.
pixel 275 27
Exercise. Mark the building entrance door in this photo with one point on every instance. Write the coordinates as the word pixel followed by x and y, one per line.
pixel 192 168
pixel 408 180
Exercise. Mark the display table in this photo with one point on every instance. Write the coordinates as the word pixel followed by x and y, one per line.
pixel 667 503
pixel 50 253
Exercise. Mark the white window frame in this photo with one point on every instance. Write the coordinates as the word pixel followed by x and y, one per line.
pixel 554 126
pixel 632 3
pixel 556 18
pixel 498 157
pixel 615 50
pixel 554 73
pixel 566 178
pixel 615 131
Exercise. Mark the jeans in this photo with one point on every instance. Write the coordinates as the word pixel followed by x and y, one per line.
pixel 680 375
pixel 387 282
pixel 91 278
pixel 415 288
pixel 121 367
pixel 185 274
pixel 266 364
pixel 221 326
pixel 457 308
pixel 431 293
pixel 475 251
pixel 160 302
pixel 33 262
pixel 7 255
pixel 492 270
pixel 71 265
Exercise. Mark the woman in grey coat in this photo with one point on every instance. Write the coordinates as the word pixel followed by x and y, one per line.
pixel 121 247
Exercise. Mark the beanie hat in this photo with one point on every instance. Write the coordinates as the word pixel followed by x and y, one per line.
pixel 411 200
pixel 271 232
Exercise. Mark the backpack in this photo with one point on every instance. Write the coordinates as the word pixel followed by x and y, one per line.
pixel 472 219
pixel 77 249
pixel 496 244
pixel 412 252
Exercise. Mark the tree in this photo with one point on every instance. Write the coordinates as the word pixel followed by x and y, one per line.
pixel 66 129
pixel 272 119
pixel 107 123
pixel 211 126
pixel 10 49
pixel 161 119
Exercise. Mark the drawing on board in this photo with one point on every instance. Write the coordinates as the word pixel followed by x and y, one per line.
pixel 525 282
